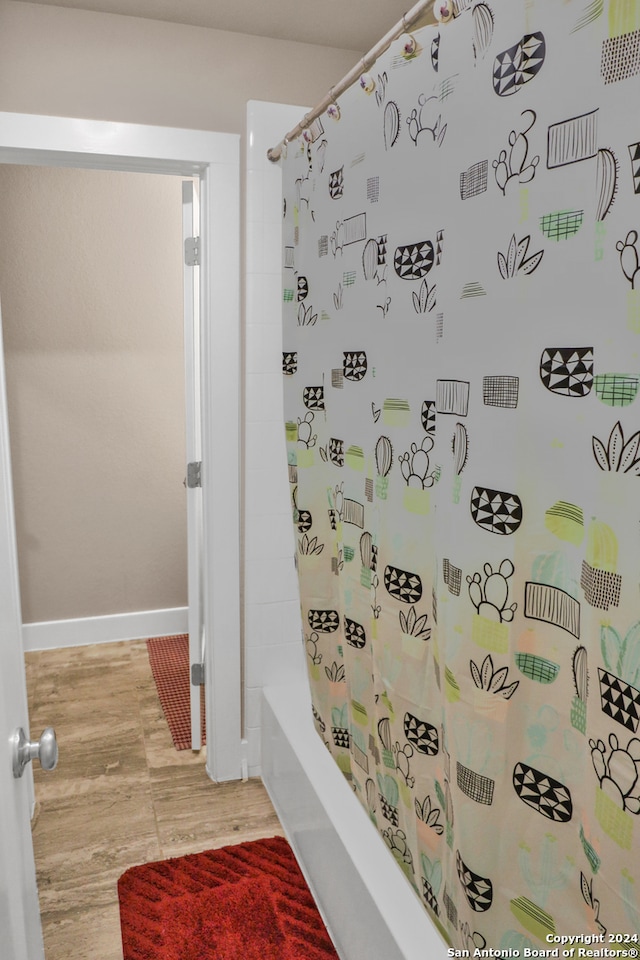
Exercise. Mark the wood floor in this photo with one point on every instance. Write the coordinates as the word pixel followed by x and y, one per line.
pixel 121 794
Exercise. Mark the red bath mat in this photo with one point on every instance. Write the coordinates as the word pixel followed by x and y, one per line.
pixel 244 902
pixel 169 659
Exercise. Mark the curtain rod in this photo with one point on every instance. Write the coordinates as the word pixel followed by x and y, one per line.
pixel 403 26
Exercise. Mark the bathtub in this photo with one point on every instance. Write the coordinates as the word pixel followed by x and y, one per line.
pixel 364 898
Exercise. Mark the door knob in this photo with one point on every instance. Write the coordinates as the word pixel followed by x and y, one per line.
pixel 45 749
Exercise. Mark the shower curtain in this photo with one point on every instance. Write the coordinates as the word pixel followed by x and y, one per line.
pixel 460 355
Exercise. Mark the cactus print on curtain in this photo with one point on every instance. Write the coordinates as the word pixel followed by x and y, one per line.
pixel 461 363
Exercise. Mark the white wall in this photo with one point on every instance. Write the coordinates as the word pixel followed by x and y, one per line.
pixel 91 285
pixel 272 625
pixel 64 62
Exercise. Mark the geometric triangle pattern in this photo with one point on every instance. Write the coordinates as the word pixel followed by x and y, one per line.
pixel 435 52
pixel 336 184
pixel 336 451
pixel 389 812
pixel 341 737
pixel 414 260
pixel 519 64
pixel 634 153
pixel 620 700
pixel 313 398
pixel 394 374
pixel 403 585
pixel 428 416
pixel 318 721
pixel 289 363
pixel 423 735
pixel 567 370
pixel 429 896
pixel 540 791
pixel 324 621
pixel 354 365
pixel 303 288
pixel 496 511
pixel 382 249
pixel 478 890
pixel 303 521
pixel 354 633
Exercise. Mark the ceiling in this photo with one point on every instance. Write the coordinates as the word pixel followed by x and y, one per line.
pixel 348 24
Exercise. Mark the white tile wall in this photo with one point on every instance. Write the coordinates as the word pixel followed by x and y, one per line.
pixel 272 626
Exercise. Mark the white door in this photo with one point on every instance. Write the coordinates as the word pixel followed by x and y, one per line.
pixel 20 929
pixel 190 237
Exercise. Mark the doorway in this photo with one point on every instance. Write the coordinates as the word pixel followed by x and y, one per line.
pixel 55 141
pixel 214 158
pixel 91 281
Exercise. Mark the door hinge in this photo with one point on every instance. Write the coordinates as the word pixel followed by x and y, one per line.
pixel 197 674
pixel 192 251
pixel 194 474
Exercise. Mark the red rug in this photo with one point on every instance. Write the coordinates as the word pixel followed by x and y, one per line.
pixel 169 659
pixel 245 902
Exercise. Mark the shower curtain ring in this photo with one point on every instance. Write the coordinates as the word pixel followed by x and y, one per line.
pixel 410 47
pixel 367 82
pixel 333 110
pixel 443 10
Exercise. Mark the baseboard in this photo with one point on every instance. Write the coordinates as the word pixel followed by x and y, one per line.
pixel 119 626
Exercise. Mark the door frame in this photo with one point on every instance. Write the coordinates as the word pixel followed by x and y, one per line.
pixel 215 159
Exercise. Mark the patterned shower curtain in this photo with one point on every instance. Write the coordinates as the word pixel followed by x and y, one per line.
pixel 461 361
